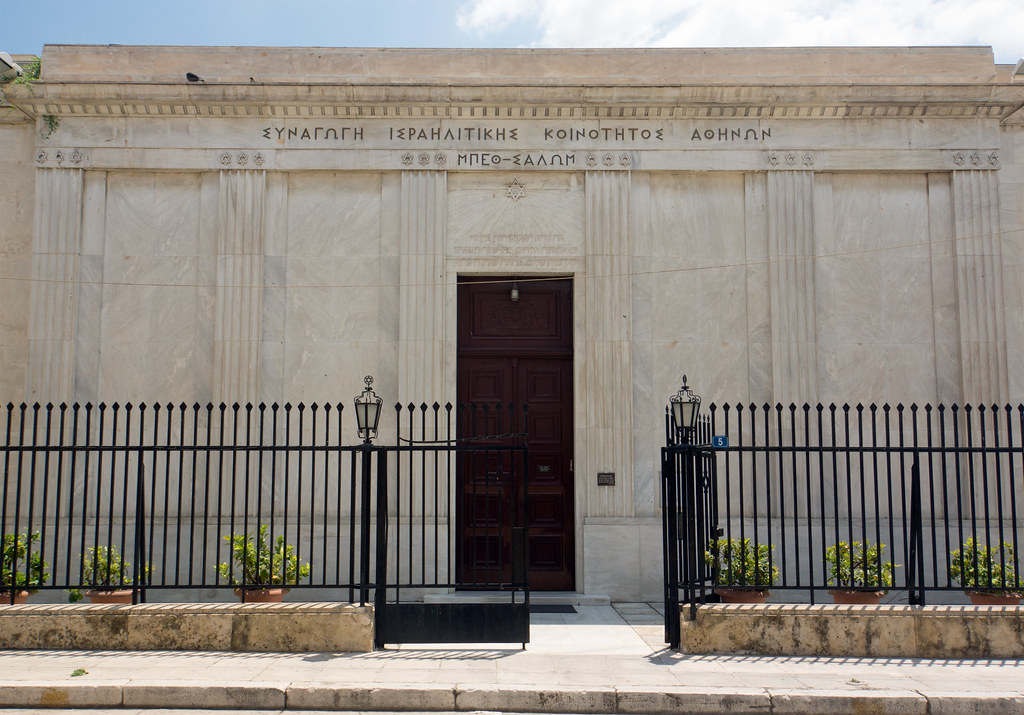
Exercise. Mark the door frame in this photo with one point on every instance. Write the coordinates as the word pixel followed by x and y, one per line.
pixel 577 324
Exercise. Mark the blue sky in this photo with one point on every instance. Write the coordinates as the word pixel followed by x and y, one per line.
pixel 26 26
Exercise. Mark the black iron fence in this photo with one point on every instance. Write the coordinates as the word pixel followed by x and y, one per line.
pixel 173 498
pixel 917 502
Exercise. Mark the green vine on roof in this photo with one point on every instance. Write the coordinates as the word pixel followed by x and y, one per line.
pixel 31 72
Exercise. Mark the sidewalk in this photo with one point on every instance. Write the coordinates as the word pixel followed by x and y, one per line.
pixel 600 660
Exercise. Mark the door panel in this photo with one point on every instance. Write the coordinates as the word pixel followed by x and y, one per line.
pixel 519 352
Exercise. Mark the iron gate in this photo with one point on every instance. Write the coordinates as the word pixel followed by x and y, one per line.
pixel 689 524
pixel 453 554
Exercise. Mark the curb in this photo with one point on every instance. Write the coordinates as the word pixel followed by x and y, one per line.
pixel 631 700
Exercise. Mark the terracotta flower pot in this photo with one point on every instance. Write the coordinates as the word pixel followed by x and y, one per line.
pixel 19 597
pixel 846 596
pixel 261 595
pixel 982 598
pixel 742 595
pixel 115 596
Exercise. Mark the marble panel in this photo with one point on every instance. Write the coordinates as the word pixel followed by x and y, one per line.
pixel 145 214
pixel 331 214
pixel 865 300
pixel 275 232
pixel 699 217
pixel 885 214
pixel 170 313
pixel 331 371
pixel 271 388
pixel 652 575
pixel 611 560
pixel 484 219
pixel 15 289
pixel 94 212
pixel 274 307
pixel 159 370
pixel 390 220
pixel 336 272
pixel 326 315
pixel 877 373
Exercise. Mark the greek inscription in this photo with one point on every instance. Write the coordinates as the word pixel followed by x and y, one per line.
pixel 317 133
pixel 478 159
pixel 604 133
pixel 534 159
pixel 542 159
pixel 730 134
pixel 470 134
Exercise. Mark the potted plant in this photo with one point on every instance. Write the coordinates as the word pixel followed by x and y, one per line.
pixel 986 573
pixel 858 572
pixel 19 571
pixel 742 571
pixel 262 568
pixel 110 576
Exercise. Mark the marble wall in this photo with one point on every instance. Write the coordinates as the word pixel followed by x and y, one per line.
pixel 289 285
pixel 17 214
pixel 1011 206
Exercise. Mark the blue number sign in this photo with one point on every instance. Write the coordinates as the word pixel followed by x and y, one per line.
pixel 719 441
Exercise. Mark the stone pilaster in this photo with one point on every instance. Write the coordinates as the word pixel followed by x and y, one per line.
pixel 421 359
pixel 792 287
pixel 607 357
pixel 979 283
pixel 240 237
pixel 56 244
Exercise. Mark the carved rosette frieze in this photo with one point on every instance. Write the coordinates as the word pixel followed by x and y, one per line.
pixel 241 159
pixel 971 159
pixel 790 160
pixel 420 160
pixel 63 158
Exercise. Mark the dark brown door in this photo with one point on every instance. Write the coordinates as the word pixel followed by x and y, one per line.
pixel 519 352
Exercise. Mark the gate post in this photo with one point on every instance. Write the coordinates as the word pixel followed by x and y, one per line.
pixel 915 570
pixel 670 515
pixel 139 566
pixel 381 585
pixel 364 526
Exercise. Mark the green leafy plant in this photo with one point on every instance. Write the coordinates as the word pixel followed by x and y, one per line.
pixel 858 564
pixel 19 569
pixel 31 72
pixel 739 564
pixel 985 569
pixel 105 570
pixel 260 565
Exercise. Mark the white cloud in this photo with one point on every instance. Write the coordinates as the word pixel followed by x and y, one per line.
pixel 755 23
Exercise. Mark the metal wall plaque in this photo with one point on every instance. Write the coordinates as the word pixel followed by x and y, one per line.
pixel 606 479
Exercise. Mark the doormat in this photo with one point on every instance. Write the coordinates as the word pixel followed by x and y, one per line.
pixel 551 608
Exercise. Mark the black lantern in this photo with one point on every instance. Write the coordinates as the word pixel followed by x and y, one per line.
pixel 367 411
pixel 685 407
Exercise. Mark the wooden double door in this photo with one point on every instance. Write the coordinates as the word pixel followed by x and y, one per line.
pixel 520 352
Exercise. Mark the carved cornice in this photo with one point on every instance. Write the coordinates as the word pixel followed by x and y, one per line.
pixel 520 101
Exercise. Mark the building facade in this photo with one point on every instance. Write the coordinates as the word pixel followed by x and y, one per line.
pixel 786 225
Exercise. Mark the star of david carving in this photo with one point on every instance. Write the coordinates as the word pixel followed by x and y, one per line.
pixel 515 190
